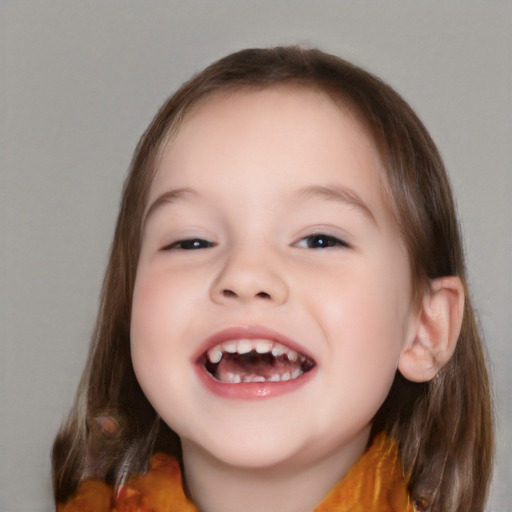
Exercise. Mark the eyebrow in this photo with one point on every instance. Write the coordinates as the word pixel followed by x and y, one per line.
pixel 335 193
pixel 338 194
pixel 169 197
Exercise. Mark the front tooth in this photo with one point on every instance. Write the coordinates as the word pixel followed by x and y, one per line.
pixel 244 346
pixel 286 376
pixel 230 346
pixel 215 354
pixel 262 346
pixel 296 373
pixel 277 350
pixel 275 378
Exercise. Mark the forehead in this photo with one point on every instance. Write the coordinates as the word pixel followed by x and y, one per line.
pixel 271 128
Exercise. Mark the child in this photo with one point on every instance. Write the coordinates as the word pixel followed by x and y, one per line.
pixel 284 320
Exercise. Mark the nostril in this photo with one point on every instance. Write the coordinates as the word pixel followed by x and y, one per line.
pixel 231 294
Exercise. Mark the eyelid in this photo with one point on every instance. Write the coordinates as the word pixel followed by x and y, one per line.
pixel 339 241
pixel 328 230
pixel 179 244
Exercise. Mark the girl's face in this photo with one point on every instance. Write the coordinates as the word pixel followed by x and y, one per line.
pixel 272 298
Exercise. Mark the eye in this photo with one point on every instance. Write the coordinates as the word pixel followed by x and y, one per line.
pixel 190 244
pixel 321 241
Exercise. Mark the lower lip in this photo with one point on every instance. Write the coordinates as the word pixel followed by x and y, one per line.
pixel 251 390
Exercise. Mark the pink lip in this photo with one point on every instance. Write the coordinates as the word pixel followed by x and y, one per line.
pixel 249 390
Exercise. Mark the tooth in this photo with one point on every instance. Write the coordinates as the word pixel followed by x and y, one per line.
pixel 258 378
pixel 215 354
pixel 278 350
pixel 230 346
pixel 275 378
pixel 262 346
pixel 231 378
pixel 292 355
pixel 286 376
pixel 296 373
pixel 244 346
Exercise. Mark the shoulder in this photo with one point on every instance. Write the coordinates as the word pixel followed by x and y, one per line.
pixel 91 496
pixel 376 483
pixel 157 490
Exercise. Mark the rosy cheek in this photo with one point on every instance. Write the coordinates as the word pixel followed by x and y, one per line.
pixel 148 302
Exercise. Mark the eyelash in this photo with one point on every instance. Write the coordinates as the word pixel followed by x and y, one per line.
pixel 316 241
pixel 322 241
pixel 190 244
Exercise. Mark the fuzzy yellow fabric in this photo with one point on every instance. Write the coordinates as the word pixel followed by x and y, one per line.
pixel 374 484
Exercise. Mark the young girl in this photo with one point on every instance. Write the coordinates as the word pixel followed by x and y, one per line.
pixel 285 323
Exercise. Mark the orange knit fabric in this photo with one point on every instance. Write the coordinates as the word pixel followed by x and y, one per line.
pixel 374 484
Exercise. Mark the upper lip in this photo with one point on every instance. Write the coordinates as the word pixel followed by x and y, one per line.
pixel 250 332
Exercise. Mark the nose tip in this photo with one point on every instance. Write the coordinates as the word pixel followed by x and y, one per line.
pixel 246 280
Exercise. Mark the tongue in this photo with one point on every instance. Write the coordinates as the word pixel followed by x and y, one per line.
pixel 254 365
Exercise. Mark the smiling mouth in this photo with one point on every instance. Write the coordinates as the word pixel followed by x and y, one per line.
pixel 254 360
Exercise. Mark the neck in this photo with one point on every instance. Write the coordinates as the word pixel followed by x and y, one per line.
pixel 297 485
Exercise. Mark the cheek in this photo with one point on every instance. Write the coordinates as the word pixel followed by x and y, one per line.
pixel 151 305
pixel 364 305
pixel 152 331
pixel 164 321
pixel 163 302
pixel 364 314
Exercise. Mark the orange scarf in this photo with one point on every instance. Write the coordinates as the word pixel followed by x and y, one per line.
pixel 374 484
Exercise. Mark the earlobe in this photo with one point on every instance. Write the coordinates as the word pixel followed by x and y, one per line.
pixel 438 325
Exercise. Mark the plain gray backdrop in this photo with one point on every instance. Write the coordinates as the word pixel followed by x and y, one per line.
pixel 79 83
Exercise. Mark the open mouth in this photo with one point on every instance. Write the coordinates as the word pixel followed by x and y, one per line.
pixel 254 360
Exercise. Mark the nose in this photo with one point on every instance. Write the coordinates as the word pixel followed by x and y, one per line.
pixel 247 277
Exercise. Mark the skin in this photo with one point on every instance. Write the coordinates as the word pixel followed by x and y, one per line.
pixel 247 159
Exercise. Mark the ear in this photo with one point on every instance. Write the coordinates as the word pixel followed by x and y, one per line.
pixel 437 329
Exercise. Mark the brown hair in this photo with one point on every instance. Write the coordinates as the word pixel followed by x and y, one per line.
pixel 444 426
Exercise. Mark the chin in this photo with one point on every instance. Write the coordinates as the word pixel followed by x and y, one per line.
pixel 251 454
pixel 251 443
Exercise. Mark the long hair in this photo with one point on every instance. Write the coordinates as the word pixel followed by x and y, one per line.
pixel 444 426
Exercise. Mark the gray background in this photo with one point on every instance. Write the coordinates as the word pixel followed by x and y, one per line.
pixel 79 83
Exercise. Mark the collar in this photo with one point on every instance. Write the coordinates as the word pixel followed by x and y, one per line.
pixel 374 484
